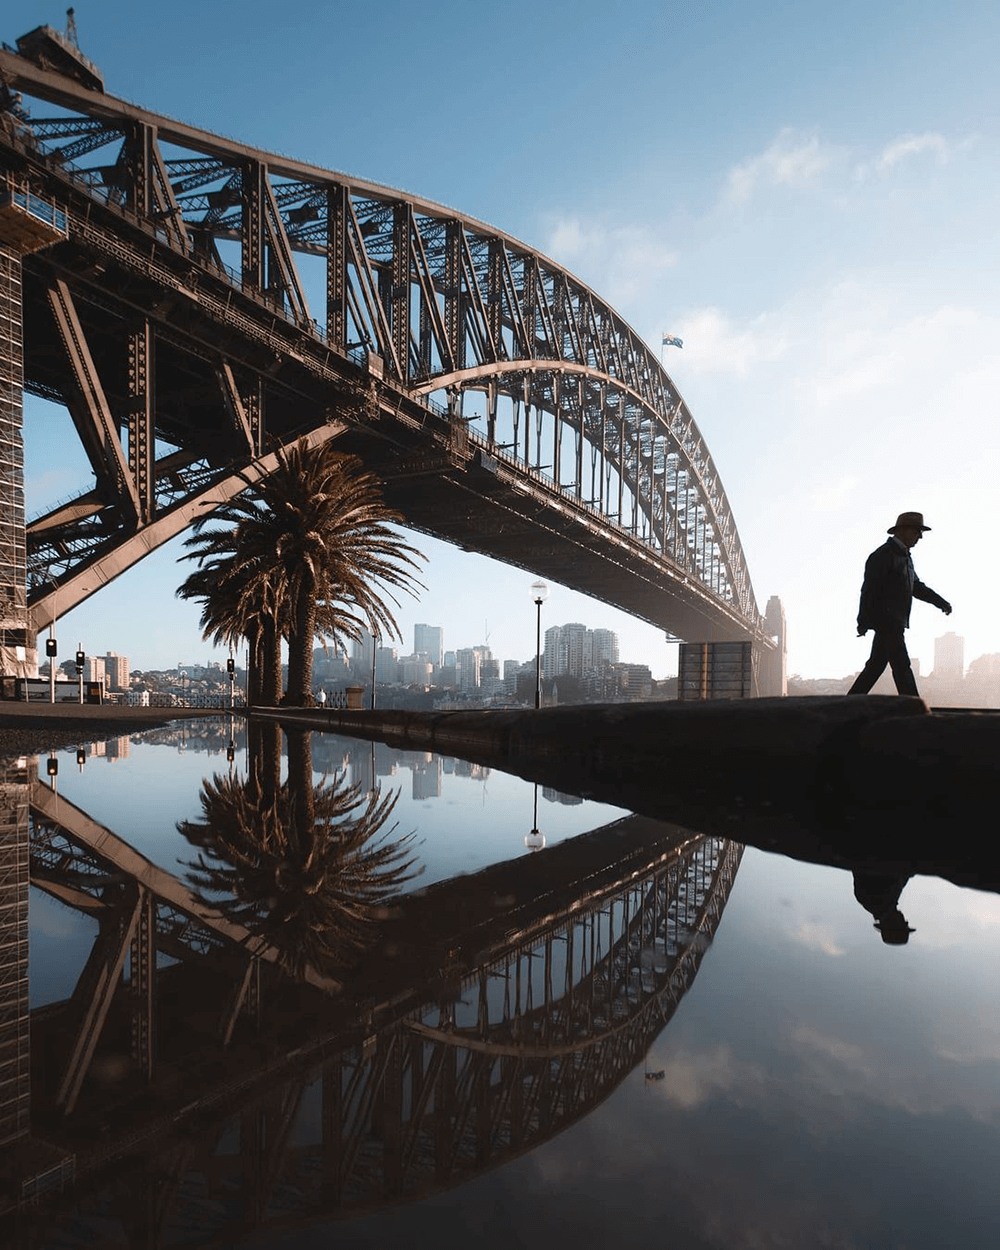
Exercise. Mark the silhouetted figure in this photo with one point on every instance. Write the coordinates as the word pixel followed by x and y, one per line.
pixel 879 893
pixel 889 588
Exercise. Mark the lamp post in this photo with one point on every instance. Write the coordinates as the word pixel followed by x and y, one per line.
pixel 539 593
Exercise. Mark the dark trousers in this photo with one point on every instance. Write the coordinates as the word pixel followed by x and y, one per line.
pixel 888 647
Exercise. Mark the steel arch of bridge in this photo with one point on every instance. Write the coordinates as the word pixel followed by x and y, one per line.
pixel 487 355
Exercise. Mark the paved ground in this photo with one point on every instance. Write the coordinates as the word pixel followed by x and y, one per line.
pixel 27 728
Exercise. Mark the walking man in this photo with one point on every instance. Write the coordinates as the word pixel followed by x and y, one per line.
pixel 889 588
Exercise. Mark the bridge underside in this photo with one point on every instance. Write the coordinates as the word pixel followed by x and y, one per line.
pixel 208 409
pixel 507 409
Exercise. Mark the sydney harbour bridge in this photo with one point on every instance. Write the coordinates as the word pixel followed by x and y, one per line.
pixel 195 303
pixel 189 1089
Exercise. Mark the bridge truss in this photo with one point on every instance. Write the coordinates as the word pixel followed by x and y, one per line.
pixel 507 408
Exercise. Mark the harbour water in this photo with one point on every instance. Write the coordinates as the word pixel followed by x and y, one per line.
pixel 683 1040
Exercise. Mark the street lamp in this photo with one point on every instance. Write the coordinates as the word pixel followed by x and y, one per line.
pixel 539 593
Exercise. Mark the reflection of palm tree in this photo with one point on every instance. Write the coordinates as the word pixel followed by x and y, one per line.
pixel 300 867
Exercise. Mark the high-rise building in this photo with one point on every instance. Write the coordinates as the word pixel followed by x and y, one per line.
pixel 415 670
pixel 467 667
pixel 605 647
pixel 949 657
pixel 429 640
pixel 386 665
pixel 95 669
pixel 362 650
pixel 116 670
pixel 575 650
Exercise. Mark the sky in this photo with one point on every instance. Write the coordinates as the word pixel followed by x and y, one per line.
pixel 806 195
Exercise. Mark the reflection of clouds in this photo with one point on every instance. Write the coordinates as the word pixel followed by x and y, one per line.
pixel 962 918
pixel 689 1079
pixel 831 1047
pixel 816 937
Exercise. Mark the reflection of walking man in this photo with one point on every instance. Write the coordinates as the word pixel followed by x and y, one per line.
pixel 879 894
pixel 889 588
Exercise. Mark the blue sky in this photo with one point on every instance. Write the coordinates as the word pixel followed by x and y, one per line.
pixel 807 196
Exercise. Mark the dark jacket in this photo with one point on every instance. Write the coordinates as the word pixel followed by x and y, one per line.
pixel 890 586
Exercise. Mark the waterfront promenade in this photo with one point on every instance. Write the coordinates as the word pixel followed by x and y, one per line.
pixel 881 781
pixel 30 728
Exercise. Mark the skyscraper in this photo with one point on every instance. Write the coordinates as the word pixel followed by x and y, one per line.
pixel 362 650
pixel 429 639
pixel 575 650
pixel 117 671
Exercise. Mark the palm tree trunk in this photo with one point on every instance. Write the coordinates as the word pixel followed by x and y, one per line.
pixel 300 647
pixel 270 684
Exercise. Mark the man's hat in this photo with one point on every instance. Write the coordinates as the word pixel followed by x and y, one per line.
pixel 916 519
pixel 893 928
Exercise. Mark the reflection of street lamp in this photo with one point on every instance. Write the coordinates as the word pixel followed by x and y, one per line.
pixel 539 593
pixel 535 841
pixel 374 656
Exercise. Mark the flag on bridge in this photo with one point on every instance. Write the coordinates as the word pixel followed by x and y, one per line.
pixel 671 340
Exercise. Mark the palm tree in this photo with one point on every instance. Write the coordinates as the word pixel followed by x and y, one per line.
pixel 300 558
pixel 333 542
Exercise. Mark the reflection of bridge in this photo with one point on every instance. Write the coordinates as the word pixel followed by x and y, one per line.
pixel 168 300
pixel 334 1104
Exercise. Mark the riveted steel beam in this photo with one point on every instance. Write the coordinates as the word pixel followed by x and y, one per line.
pixel 97 427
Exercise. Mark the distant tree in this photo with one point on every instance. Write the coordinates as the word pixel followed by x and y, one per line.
pixel 308 552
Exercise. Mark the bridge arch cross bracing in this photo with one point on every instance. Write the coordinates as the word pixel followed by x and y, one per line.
pixel 507 407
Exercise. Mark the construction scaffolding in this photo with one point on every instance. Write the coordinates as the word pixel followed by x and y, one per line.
pixel 27 223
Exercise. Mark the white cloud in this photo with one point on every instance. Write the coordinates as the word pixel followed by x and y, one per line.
pixel 792 160
pixel 716 344
pixel 621 263
pixel 906 149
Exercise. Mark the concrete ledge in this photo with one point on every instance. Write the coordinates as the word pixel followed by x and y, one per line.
pixel 838 780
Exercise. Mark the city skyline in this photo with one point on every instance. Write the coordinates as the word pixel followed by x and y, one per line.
pixel 824 265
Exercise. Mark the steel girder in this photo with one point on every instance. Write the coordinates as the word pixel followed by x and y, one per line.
pixel 532 368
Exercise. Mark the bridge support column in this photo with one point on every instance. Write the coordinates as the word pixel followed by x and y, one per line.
pixel 715 670
pixel 773 675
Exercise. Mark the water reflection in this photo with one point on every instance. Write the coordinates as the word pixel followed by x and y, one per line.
pixel 493 1012
pixel 204 1088
pixel 301 865
pixel 878 893
pixel 530 1005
